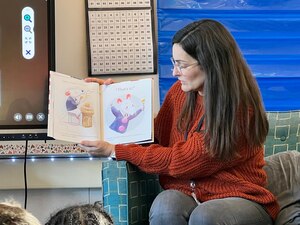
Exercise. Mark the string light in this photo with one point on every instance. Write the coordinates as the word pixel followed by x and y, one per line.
pixel 51 158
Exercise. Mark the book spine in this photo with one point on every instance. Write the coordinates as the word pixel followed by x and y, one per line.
pixel 49 125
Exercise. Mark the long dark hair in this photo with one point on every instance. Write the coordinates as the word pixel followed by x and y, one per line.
pixel 233 103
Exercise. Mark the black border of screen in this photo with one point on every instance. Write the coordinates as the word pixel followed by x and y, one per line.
pixel 51 66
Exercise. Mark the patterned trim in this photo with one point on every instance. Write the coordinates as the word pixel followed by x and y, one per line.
pixel 13 149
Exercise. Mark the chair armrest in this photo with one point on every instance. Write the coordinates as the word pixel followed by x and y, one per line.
pixel 128 192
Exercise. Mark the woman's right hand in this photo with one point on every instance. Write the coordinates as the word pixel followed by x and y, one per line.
pixel 99 81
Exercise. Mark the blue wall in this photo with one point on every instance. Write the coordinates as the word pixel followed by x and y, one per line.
pixel 267 31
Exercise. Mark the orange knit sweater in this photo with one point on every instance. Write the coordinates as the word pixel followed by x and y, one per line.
pixel 178 161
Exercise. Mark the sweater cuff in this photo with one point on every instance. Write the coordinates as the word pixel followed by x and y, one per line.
pixel 122 151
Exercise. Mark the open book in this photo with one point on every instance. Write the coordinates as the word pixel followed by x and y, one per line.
pixel 117 113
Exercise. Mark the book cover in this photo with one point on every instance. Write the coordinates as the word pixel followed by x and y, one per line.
pixel 118 113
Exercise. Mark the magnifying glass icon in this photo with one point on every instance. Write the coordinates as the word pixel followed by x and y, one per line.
pixel 27 28
pixel 27 18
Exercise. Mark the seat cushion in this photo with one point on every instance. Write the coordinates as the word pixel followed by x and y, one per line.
pixel 283 176
pixel 289 215
pixel 283 180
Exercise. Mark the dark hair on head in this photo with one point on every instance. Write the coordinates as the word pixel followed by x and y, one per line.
pixel 86 214
pixel 229 89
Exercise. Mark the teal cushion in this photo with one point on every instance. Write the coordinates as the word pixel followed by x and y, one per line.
pixel 284 132
pixel 128 192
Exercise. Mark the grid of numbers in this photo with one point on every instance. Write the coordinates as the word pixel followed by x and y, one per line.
pixel 120 40
pixel 118 3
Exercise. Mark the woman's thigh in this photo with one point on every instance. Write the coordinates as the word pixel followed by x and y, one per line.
pixel 229 211
pixel 171 207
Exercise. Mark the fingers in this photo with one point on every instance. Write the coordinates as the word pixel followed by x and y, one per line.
pixel 93 79
pixel 89 143
pixel 90 149
pixel 108 81
pixel 99 81
pixel 87 148
pixel 97 148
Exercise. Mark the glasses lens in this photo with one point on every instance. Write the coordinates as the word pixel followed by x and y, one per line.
pixel 172 60
pixel 175 65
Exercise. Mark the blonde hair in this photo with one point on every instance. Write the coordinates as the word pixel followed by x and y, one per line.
pixel 11 213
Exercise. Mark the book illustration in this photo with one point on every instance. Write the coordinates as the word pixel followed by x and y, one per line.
pixel 87 111
pixel 125 109
pixel 80 110
pixel 117 113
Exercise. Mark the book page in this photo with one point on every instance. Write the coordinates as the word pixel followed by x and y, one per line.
pixel 73 109
pixel 128 112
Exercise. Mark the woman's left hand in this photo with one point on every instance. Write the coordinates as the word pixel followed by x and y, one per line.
pixel 98 148
pixel 99 81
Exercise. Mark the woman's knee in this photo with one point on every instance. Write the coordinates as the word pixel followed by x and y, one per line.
pixel 203 215
pixel 172 203
pixel 229 211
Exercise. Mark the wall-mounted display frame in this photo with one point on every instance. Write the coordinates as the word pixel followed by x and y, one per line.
pixel 120 37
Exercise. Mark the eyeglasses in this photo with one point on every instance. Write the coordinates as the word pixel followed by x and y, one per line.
pixel 182 67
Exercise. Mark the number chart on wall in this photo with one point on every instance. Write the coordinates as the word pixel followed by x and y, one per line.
pixel 120 37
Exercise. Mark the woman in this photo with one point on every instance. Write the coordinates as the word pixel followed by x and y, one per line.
pixel 210 132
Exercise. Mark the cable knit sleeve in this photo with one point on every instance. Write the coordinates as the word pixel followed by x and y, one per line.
pixel 187 160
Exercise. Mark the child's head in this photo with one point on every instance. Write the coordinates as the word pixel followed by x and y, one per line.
pixel 87 214
pixel 11 213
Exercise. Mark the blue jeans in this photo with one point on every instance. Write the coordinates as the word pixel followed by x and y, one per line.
pixel 173 207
